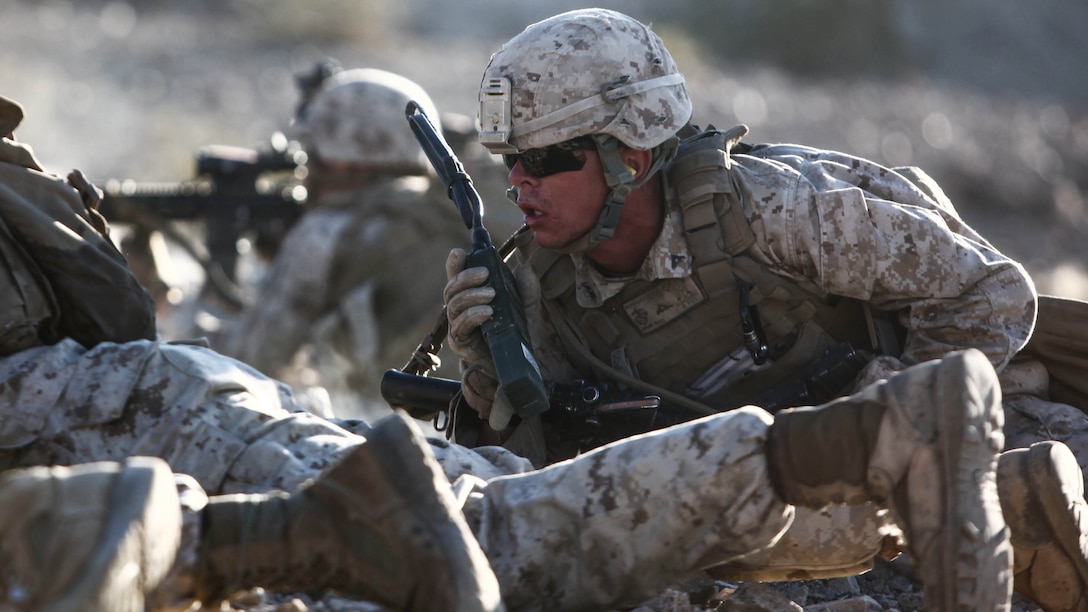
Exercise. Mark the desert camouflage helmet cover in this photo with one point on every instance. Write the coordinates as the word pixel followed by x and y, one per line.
pixel 588 71
pixel 358 117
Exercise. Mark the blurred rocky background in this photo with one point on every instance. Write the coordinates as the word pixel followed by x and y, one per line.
pixel 988 96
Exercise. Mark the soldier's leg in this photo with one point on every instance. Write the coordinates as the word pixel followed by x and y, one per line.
pixel 207 415
pixel 925 442
pixel 373 517
pixel 618 524
pixel 381 525
pixel 621 523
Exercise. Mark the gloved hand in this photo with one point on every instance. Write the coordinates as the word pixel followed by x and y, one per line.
pixel 479 388
pixel 468 301
pixel 484 395
pixel 468 305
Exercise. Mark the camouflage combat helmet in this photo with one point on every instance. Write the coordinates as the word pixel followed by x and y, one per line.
pixel 589 72
pixel 357 117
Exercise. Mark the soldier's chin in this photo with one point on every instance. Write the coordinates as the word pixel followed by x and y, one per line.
pixel 578 245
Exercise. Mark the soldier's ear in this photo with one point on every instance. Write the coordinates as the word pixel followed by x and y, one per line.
pixel 638 161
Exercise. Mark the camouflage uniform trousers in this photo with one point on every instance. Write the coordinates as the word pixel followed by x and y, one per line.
pixel 613 527
pixel 640 513
pixel 627 518
pixel 621 522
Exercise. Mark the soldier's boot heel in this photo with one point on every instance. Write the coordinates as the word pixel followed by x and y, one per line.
pixel 97 537
pixel 1042 497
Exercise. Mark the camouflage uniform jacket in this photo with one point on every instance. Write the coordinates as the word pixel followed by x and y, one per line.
pixel 814 234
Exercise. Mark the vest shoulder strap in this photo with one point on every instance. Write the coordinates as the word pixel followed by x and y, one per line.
pixel 713 214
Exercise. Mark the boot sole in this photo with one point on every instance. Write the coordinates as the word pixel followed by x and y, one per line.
pixel 975 540
pixel 137 546
pixel 1069 530
pixel 398 447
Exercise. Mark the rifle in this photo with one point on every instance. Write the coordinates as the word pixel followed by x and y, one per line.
pixel 581 412
pixel 236 192
pixel 506 332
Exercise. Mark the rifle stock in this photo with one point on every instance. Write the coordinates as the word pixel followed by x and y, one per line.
pixel 419 396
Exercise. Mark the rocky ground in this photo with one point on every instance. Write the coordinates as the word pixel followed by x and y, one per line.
pixel 888 587
pixel 124 89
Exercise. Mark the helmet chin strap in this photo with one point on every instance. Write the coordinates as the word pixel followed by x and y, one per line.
pixel 621 179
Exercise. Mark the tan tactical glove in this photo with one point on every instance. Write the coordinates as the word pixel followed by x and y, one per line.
pixel 468 305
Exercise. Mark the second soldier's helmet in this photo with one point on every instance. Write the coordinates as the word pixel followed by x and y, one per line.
pixel 357 117
pixel 589 71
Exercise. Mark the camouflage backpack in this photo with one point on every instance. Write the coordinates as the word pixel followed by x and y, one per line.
pixel 1060 343
pixel 62 275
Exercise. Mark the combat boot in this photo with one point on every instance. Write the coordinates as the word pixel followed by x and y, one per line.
pixel 382 525
pixel 925 443
pixel 95 537
pixel 1042 497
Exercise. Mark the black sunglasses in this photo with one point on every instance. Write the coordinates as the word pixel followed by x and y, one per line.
pixel 546 161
